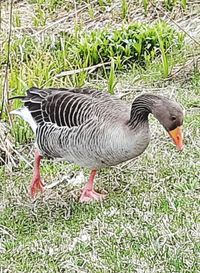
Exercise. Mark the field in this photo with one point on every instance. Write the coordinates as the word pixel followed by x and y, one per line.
pixel 150 219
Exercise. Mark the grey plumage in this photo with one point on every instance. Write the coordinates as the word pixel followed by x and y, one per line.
pixel 88 127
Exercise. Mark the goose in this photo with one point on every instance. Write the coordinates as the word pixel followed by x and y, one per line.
pixel 93 129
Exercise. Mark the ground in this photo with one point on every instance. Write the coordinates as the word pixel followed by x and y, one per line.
pixel 149 221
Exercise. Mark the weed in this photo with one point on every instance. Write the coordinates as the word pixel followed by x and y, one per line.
pixel 145 5
pixel 164 57
pixel 40 18
pixel 169 4
pixel 184 3
pixel 112 78
pixel 125 9
pixel 16 20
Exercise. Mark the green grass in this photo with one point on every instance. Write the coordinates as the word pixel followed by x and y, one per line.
pixel 149 221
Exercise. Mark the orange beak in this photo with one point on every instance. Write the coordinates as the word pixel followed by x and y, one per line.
pixel 177 136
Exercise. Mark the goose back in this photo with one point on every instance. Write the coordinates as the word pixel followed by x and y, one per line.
pixel 65 107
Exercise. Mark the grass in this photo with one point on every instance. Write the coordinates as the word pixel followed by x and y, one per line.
pixel 149 221
pixel 169 5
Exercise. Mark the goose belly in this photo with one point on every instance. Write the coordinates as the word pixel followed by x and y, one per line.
pixel 96 148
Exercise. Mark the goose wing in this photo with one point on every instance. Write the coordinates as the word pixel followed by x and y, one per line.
pixel 65 107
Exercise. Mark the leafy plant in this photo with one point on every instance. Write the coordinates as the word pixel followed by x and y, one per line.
pixel 128 44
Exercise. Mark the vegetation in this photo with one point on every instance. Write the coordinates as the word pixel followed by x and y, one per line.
pixel 137 43
pixel 150 220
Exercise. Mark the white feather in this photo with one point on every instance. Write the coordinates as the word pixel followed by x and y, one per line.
pixel 26 115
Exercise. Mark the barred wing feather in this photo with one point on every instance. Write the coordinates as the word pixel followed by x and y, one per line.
pixel 65 107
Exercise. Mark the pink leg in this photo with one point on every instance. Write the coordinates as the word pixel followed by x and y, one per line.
pixel 88 193
pixel 36 184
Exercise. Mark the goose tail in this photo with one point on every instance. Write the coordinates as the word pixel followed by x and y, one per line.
pixel 26 115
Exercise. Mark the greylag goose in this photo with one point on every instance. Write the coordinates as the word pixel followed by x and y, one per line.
pixel 93 129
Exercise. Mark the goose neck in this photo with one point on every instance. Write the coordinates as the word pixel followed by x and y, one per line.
pixel 140 110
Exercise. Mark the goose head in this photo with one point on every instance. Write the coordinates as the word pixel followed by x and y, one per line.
pixel 168 112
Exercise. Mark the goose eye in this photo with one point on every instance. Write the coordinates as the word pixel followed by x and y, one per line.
pixel 173 118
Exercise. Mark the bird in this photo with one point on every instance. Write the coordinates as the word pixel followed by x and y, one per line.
pixel 93 129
